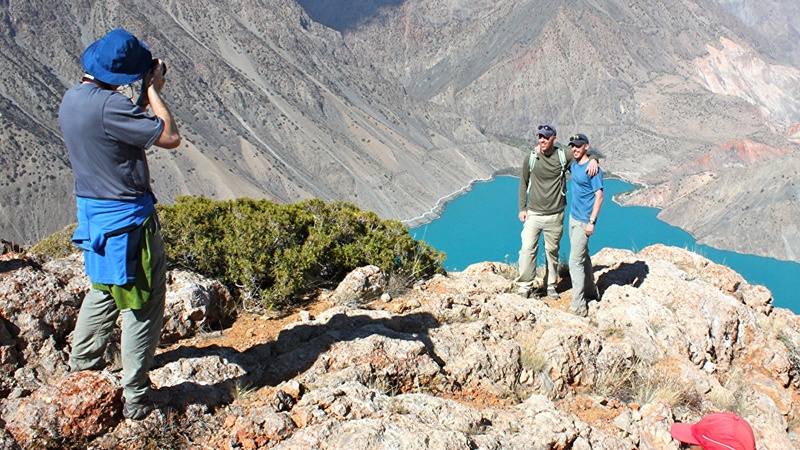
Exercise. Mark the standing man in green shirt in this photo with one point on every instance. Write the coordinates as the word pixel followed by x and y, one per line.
pixel 542 199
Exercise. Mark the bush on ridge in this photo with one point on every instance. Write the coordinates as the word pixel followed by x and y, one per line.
pixel 277 253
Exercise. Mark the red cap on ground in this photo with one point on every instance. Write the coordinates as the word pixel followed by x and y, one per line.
pixel 717 431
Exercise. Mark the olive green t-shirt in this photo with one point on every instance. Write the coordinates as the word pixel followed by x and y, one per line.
pixel 548 185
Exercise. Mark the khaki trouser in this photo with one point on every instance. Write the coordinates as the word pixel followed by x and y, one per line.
pixel 552 225
pixel 580 267
pixel 141 330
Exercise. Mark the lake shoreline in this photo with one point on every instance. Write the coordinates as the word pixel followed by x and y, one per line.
pixel 436 211
pixel 484 226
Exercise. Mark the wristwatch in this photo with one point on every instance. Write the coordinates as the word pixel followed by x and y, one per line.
pixel 592 221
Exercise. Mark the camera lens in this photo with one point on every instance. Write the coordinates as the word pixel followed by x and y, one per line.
pixel 154 63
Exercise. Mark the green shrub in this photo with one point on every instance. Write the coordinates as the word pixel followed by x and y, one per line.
pixel 277 253
pixel 58 244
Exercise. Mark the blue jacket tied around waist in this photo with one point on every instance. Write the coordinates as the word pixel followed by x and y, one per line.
pixel 108 232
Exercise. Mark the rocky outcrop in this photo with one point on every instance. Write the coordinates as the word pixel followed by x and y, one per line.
pixel 39 304
pixel 361 285
pixel 460 361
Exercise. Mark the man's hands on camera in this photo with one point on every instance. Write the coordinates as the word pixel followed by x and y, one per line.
pixel 154 78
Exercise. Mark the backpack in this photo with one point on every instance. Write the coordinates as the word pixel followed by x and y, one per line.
pixel 561 158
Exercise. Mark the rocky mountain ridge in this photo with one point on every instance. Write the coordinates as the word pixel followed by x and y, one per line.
pixel 395 105
pixel 459 361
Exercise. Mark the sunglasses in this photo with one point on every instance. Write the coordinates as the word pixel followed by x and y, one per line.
pixel 545 127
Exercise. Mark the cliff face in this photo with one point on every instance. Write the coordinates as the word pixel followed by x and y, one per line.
pixel 459 361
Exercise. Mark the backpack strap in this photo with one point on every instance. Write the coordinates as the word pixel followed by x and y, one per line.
pixel 531 163
pixel 563 159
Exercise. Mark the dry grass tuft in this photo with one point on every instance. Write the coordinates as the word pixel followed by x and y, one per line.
pixel 734 395
pixel 638 382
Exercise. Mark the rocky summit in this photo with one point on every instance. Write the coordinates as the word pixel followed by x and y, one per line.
pixel 456 362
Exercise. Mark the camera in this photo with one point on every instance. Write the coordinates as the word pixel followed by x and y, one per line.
pixel 154 63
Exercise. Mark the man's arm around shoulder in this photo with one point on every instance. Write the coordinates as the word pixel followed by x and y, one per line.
pixel 524 179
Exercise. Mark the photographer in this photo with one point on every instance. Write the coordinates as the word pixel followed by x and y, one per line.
pixel 106 135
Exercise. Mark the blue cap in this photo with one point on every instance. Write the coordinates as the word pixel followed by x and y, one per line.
pixel 546 130
pixel 118 58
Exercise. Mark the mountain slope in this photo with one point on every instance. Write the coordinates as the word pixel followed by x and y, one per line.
pixel 655 85
pixel 395 104
pixel 268 104
pixel 774 21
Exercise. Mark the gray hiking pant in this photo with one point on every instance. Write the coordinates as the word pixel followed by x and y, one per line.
pixel 141 330
pixel 580 267
pixel 552 225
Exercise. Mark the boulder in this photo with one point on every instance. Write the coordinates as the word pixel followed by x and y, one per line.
pixel 81 406
pixel 360 286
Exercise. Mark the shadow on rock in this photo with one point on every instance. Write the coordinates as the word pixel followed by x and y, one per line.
pixel 215 376
pixel 632 274
pixel 343 15
pixel 14 262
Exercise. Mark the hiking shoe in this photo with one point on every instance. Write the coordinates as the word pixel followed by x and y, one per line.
pixel 136 411
pixel 552 294
pixel 524 292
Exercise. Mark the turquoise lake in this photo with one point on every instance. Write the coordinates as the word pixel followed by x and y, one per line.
pixel 482 225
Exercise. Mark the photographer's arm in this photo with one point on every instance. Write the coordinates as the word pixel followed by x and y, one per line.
pixel 170 137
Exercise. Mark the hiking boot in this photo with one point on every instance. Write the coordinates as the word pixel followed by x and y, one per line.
pixel 552 294
pixel 136 411
pixel 524 292
pixel 75 367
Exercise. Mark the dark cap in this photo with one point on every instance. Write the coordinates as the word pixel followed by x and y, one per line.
pixel 547 131
pixel 578 140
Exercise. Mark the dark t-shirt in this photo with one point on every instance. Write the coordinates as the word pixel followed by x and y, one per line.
pixel 106 137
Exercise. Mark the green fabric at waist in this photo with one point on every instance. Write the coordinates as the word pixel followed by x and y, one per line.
pixel 134 295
